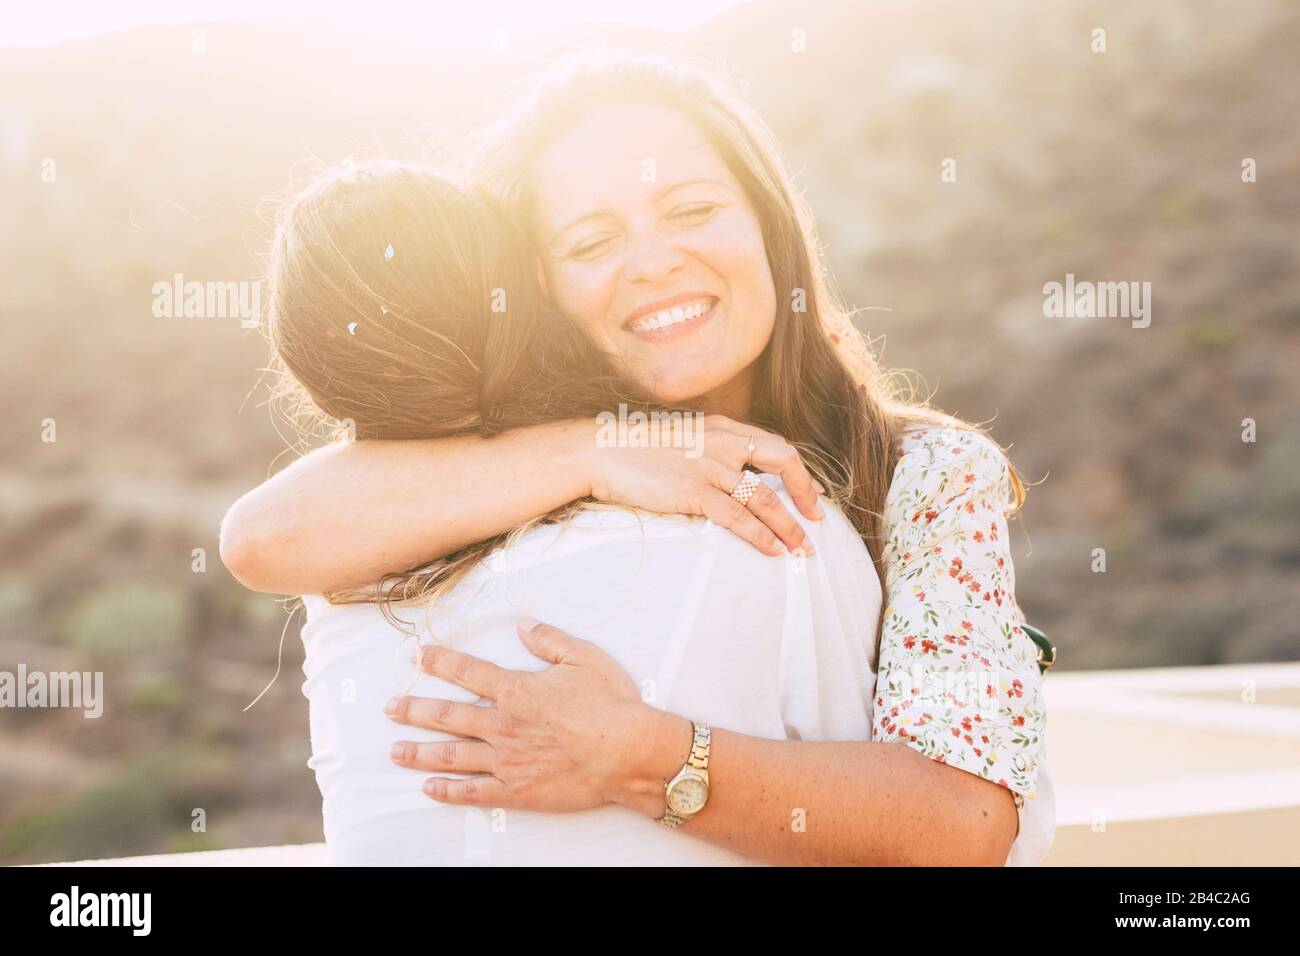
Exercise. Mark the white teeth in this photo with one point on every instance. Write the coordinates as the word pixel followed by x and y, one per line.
pixel 673 316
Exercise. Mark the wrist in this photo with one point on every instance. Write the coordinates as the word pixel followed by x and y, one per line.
pixel 654 754
pixel 577 441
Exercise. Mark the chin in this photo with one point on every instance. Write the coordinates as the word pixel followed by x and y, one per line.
pixel 677 388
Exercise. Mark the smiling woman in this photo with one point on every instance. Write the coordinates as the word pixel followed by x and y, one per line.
pixel 639 180
pixel 636 214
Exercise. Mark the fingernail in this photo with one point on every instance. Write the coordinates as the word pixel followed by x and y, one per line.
pixel 400 751
pixel 820 489
pixel 526 624
pixel 781 548
pixel 818 511
pixel 390 707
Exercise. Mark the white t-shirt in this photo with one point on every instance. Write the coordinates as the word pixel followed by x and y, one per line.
pixel 710 628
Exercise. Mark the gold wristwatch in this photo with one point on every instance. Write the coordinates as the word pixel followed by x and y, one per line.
pixel 687 792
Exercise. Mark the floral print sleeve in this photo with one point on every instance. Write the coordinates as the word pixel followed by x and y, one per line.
pixel 957 678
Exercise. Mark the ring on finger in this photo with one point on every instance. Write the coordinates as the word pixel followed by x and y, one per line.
pixel 750 448
pixel 745 488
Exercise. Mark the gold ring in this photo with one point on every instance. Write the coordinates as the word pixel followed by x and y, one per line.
pixel 745 488
pixel 751 448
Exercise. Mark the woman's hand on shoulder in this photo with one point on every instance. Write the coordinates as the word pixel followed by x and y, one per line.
pixel 694 470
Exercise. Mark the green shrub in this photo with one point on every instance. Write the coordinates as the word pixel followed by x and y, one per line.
pixel 123 619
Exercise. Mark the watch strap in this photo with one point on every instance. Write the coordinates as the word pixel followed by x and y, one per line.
pixel 698 761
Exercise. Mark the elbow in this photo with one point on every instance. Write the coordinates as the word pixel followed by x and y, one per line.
pixel 993 848
pixel 245 546
pixel 980 846
pixel 982 820
pixel 992 830
pixel 976 844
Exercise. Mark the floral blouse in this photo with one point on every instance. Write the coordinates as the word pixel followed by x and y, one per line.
pixel 957 678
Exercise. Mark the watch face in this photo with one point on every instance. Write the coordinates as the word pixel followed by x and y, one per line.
pixel 688 795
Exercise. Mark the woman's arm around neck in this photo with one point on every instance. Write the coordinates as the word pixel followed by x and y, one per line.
pixel 345 515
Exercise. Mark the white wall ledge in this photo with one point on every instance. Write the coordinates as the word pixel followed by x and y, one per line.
pixel 1160 766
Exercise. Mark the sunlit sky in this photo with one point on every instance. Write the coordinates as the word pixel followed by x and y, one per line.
pixel 36 23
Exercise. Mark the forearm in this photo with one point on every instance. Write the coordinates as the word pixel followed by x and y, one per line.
pixel 345 515
pixel 820 803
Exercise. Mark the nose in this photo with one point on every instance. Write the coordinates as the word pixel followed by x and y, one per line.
pixel 652 259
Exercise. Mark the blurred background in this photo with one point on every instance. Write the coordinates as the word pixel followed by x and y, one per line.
pixel 137 143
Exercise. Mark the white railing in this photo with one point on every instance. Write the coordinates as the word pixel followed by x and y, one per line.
pixel 1183 766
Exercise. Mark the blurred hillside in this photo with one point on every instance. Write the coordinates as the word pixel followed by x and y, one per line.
pixel 1116 166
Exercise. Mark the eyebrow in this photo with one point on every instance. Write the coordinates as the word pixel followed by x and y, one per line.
pixel 601 213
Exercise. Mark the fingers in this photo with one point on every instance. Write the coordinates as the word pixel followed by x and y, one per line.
pixel 550 643
pixel 475 791
pixel 432 713
pixel 466 670
pixel 772 454
pixel 765 504
pixel 724 511
pixel 446 756
pixel 779 457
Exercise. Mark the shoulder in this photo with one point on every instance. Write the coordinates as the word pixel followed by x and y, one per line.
pixel 318 607
pixel 934 446
pixel 941 467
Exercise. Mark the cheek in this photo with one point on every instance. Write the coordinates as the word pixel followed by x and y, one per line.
pixel 739 257
pixel 582 292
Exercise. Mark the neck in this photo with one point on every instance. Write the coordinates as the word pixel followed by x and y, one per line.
pixel 735 399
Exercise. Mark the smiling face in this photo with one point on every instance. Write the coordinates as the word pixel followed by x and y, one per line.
pixel 649 242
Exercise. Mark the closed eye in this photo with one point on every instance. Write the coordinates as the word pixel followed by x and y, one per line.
pixel 695 212
pixel 590 248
